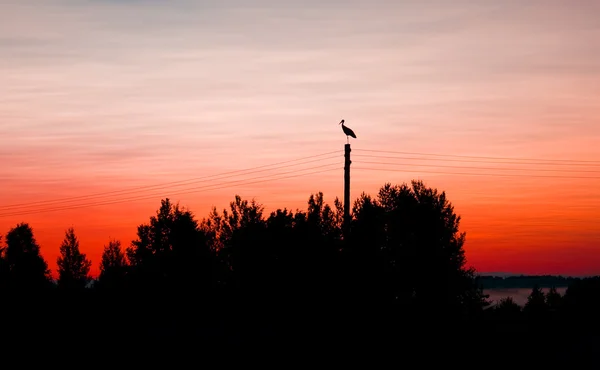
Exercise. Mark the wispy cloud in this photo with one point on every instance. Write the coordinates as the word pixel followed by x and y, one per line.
pixel 101 90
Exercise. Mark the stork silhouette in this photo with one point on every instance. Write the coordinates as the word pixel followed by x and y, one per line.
pixel 347 131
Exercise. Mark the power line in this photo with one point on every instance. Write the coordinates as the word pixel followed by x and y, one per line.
pixel 20 209
pixel 179 192
pixel 477 157
pixel 223 175
pixel 186 191
pixel 183 191
pixel 474 161
pixel 477 174
pixel 476 168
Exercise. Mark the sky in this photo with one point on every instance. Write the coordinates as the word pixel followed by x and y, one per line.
pixel 495 103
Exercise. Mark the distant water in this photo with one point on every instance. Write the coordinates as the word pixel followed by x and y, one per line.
pixel 519 295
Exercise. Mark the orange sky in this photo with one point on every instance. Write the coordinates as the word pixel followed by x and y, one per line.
pixel 100 96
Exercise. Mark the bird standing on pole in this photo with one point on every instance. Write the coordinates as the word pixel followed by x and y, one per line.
pixel 347 131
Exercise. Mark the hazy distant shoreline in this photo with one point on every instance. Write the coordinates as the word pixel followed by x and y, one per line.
pixel 496 281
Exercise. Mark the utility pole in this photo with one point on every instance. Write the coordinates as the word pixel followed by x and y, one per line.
pixel 347 162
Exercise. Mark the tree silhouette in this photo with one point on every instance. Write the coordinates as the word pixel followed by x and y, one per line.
pixel 581 303
pixel 171 250
pixel 282 240
pixel 536 303
pixel 286 255
pixel 321 234
pixel 73 266
pixel 507 309
pixel 508 304
pixel 113 266
pixel 24 267
pixel 409 236
pixel 3 266
pixel 553 300
pixel 503 319
pixel 241 243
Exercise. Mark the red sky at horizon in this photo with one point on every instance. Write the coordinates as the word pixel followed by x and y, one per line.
pixel 102 96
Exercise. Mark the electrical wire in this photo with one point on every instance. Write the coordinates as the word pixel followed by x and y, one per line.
pixel 477 168
pixel 477 174
pixel 474 161
pixel 478 157
pixel 179 192
pixel 142 192
pixel 223 175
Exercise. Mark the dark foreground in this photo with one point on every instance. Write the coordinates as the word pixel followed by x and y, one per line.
pixel 90 331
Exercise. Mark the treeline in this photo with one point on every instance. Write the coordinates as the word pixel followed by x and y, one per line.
pixel 525 281
pixel 402 242
pixel 242 276
pixel 576 311
pixel 286 271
